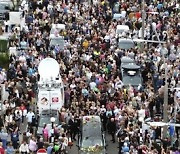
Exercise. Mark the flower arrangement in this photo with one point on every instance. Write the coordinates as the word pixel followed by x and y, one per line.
pixel 92 119
pixel 95 149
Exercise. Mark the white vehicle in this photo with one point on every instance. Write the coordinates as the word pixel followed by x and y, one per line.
pixel 124 43
pixel 55 38
pixel 50 86
pixel 120 29
pixel 57 41
pixel 117 16
pixel 56 28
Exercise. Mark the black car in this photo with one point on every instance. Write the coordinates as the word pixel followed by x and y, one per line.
pixel 130 72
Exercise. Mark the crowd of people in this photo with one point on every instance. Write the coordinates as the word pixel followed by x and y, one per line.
pixel 90 69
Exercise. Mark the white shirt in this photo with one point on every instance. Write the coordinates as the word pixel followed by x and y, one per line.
pixel 24 112
pixel 24 148
pixel 103 110
pixel 20 112
pixel 29 116
pixel 1 78
pixel 118 84
pixel 141 113
pixel 12 105
pixel 9 118
pixel 73 86
pixel 92 85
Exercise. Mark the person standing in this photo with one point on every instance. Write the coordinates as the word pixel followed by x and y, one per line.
pixel 10 149
pixel 15 139
pixel 29 117
pixel 24 149
pixel 4 138
pixel 33 145
pixel 40 143
pixel 112 129
pixel 1 122
pixel 45 133
pixel 50 148
pixel 73 127
pixel 24 111
pixel 2 151
pixel 18 117
pixel 56 148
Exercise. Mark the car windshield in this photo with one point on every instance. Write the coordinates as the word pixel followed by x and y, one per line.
pixel 131 77
pixel 46 120
pixel 92 141
pixel 3 7
pixel 57 41
pixel 123 44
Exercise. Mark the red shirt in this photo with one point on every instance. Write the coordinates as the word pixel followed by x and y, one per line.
pixel 110 105
pixel 2 151
pixel 137 15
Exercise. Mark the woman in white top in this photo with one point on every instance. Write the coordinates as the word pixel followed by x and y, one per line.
pixel 64 143
pixel 32 145
pixel 8 119
pixel 5 106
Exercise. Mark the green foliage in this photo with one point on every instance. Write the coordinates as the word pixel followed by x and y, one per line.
pixel 16 3
pixel 3 45
pixel 4 60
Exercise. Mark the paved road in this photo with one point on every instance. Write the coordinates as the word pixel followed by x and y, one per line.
pixel 111 148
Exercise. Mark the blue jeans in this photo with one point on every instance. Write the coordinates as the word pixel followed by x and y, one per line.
pixel 4 142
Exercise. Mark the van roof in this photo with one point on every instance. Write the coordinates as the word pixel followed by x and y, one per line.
pixel 123 27
pixel 59 26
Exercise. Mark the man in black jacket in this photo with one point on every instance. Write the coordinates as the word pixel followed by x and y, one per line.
pixel 112 128
pixel 73 127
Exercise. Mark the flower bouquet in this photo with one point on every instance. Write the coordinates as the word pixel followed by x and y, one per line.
pixel 93 149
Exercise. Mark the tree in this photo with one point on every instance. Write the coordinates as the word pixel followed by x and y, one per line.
pixel 16 3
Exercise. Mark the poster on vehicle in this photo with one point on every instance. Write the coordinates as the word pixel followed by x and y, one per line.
pixel 56 99
pixel 43 100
